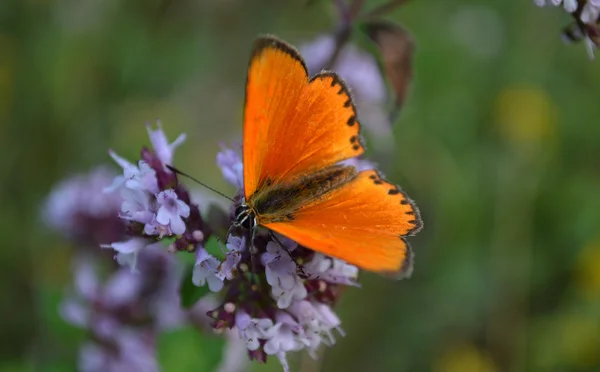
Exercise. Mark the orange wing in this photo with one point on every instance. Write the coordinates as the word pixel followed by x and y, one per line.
pixel 293 125
pixel 363 223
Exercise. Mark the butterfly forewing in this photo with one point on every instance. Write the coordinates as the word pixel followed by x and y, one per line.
pixel 293 126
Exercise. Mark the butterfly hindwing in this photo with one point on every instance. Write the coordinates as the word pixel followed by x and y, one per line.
pixel 363 222
pixel 293 125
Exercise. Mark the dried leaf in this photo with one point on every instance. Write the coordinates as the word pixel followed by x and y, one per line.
pixel 396 47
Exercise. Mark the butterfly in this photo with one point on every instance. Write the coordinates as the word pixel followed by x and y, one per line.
pixel 297 132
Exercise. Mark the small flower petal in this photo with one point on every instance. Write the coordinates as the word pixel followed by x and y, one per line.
pixel 205 270
pixel 231 166
pixel 163 150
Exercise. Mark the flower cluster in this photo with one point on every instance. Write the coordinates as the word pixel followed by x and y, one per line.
pixel 273 295
pixel 154 204
pixel 587 21
pixel 78 209
pixel 124 313
pixel 279 297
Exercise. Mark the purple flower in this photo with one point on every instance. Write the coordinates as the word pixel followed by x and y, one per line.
pixel 163 150
pixel 142 177
pixel 284 335
pixel 281 275
pixel 231 166
pixel 130 351
pixel 125 312
pixel 171 210
pixel 235 246
pixel 361 72
pixel 153 201
pixel 359 164
pixel 331 270
pixel 205 270
pixel 136 206
pixel 79 209
pixel 127 251
pixel 569 5
pixel 252 330
pixel 590 12
pixel 276 298
pixel 317 320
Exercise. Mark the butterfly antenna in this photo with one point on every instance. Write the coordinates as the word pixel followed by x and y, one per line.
pixel 175 170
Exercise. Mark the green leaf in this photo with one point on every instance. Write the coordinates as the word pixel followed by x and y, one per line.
pixel 215 248
pixel 188 349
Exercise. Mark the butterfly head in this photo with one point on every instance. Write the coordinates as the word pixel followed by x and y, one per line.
pixel 245 217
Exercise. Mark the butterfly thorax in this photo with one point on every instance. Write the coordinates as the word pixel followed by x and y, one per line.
pixel 245 216
pixel 278 201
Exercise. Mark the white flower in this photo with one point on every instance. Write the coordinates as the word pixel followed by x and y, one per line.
pixel 231 166
pixel 142 177
pixel 205 270
pixel 281 275
pixel 163 150
pixel 127 251
pixel 171 210
pixel 235 246
pixel 252 329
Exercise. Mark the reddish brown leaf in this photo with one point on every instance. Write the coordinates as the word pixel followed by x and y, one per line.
pixel 396 47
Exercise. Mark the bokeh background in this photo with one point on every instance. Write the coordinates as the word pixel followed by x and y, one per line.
pixel 498 143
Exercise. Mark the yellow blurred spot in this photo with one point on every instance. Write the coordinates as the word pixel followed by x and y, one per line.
pixel 525 114
pixel 580 340
pixel 465 358
pixel 588 270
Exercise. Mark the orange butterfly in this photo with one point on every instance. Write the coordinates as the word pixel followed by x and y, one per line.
pixel 297 130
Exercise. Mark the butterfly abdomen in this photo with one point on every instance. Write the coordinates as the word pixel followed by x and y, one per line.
pixel 277 202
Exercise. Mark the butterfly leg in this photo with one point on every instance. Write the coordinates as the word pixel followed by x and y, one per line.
pixel 253 257
pixel 300 267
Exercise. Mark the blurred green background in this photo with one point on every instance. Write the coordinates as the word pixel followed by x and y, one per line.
pixel 498 143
